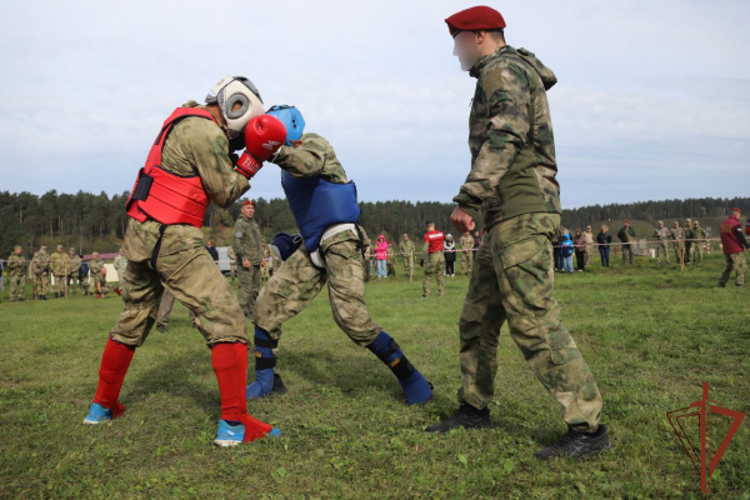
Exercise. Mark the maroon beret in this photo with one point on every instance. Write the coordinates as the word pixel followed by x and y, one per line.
pixel 475 19
pixel 248 202
pixel 736 210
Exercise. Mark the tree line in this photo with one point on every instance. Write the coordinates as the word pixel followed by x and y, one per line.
pixel 27 218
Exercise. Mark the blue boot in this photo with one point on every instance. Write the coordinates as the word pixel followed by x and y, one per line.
pixel 416 388
pixel 265 361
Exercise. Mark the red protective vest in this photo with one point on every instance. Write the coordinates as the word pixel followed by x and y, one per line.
pixel 165 197
pixel 729 241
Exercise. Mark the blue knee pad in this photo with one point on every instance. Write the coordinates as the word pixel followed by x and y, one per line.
pixel 416 388
pixel 265 361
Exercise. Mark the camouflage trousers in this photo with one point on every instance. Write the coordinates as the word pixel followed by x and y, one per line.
pixel 193 278
pixel 295 284
pixel 587 255
pixel 75 280
pixel 735 263
pixel 247 294
pixel 265 271
pixel 661 250
pixel 467 261
pixel 41 284
pixel 627 253
pixel 434 265
pixel 61 284
pixel 102 280
pixel 698 252
pixel 513 280
pixel 17 287
pixel 409 265
pixel 679 249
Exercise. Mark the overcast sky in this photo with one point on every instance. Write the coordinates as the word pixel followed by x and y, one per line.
pixel 653 99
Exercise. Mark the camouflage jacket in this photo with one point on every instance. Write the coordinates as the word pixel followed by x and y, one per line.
pixel 95 266
pixel 16 265
pixel 121 263
pixel 194 146
pixel 512 146
pixel 314 156
pixel 466 242
pixel 246 241
pixel 678 233
pixel 75 264
pixel 60 264
pixel 406 247
pixel 40 262
pixel 663 234
pixel 699 233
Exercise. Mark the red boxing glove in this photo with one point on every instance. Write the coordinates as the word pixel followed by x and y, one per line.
pixel 264 135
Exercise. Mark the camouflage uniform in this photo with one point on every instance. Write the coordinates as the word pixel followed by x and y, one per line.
pixel 60 264
pixel 662 235
pixel 467 253
pixel 391 261
pixel 97 276
pixel 368 259
pixel 699 233
pixel 406 247
pixel 74 277
pixel 688 244
pixel 265 265
pixel 17 275
pixel 513 179
pixel 120 264
pixel 678 236
pixel 40 267
pixel 174 257
pixel 627 238
pixel 246 244
pixel 232 262
pixel 588 237
pixel 299 281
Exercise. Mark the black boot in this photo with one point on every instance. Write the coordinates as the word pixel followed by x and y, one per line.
pixel 162 328
pixel 57 295
pixel 278 385
pixel 467 417
pixel 577 445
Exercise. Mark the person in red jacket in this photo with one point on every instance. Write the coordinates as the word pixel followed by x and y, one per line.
pixel 734 243
pixel 434 260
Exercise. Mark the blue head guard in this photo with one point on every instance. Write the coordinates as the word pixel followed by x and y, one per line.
pixel 292 120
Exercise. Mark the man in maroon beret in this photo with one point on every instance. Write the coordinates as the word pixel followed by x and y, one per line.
pixel 512 180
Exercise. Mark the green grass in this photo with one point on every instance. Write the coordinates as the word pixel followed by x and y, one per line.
pixel 651 335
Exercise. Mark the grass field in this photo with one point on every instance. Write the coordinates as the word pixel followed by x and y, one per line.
pixel 651 335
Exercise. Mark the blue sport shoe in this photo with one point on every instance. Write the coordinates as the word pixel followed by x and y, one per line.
pixel 232 435
pixel 98 415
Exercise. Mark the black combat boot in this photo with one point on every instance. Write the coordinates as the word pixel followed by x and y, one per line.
pixel 577 445
pixel 467 417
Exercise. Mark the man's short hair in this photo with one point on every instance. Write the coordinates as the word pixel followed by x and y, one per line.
pixel 497 35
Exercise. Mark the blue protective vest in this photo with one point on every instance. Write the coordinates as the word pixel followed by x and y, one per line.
pixel 318 204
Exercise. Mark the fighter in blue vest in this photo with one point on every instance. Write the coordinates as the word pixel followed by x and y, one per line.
pixel 324 204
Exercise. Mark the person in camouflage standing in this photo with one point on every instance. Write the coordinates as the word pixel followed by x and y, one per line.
pixel 60 265
pixel 434 260
pixel 699 234
pixel 98 280
pixel 678 237
pixel 265 262
pixel 369 259
pixel 467 253
pixel 232 262
pixel 189 166
pixel 626 234
pixel 324 204
pixel 74 277
pixel 40 266
pixel 391 260
pixel 588 238
pixel 406 248
pixel 247 247
pixel 662 235
pixel 17 274
pixel 688 241
pixel 120 264
pixel 513 179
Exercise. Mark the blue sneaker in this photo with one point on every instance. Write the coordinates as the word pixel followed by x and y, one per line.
pixel 232 435
pixel 98 415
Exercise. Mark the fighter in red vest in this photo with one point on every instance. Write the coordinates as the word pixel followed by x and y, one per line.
pixel 188 166
pixel 434 260
pixel 733 243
